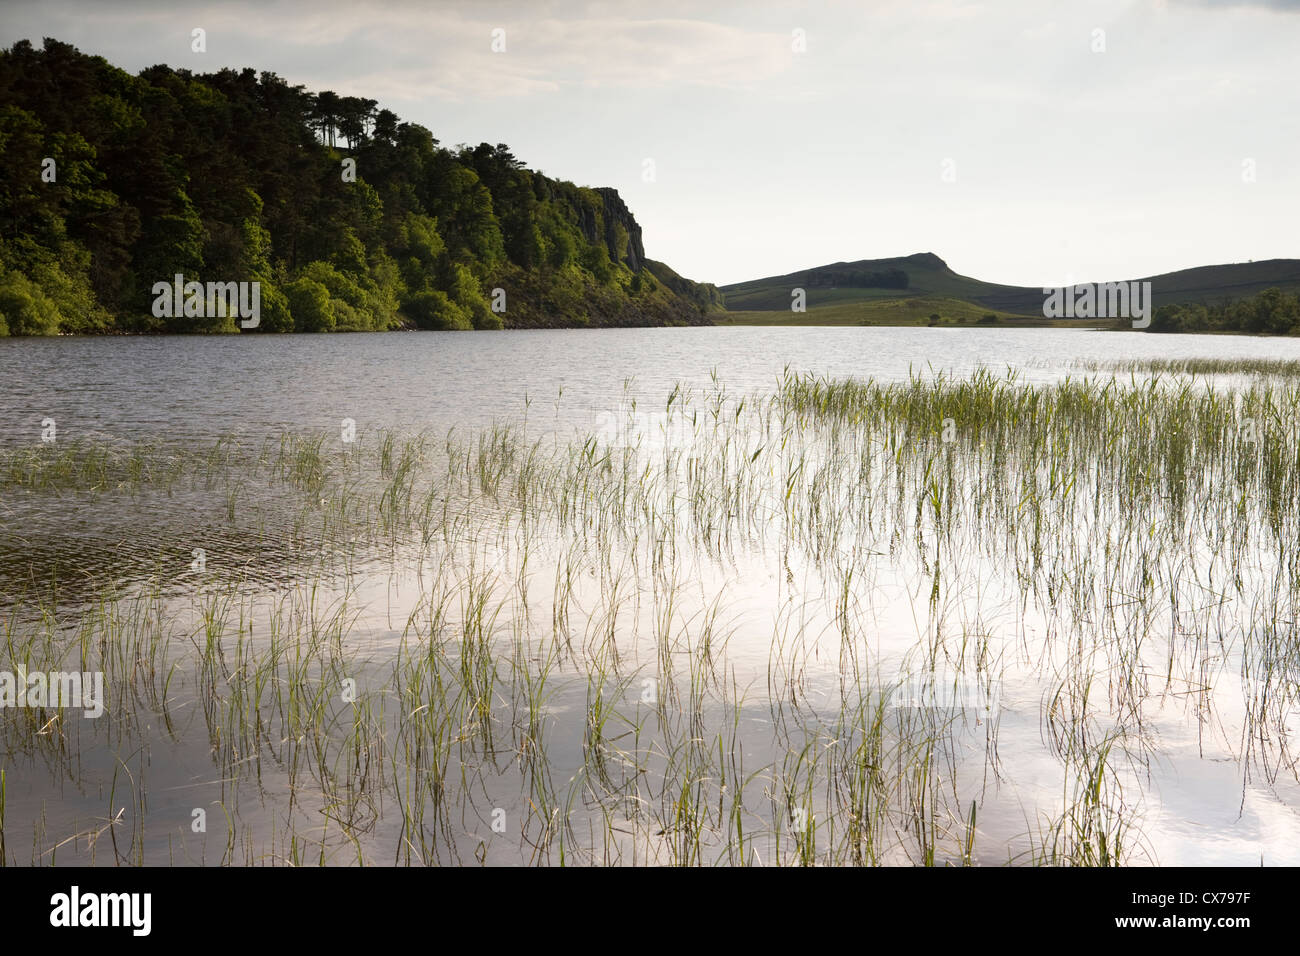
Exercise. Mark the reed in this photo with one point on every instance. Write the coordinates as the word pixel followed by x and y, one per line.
pixel 760 628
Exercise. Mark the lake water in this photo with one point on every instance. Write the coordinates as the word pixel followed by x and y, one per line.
pixel 186 392
pixel 192 387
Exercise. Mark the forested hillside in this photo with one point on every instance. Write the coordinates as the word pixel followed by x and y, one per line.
pixel 348 218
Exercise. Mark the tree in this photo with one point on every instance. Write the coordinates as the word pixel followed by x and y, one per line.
pixel 326 114
pixel 355 116
pixel 24 308
pixel 1167 318
pixel 309 304
pixel 385 130
pixel 1275 312
pixel 235 176
pixel 434 310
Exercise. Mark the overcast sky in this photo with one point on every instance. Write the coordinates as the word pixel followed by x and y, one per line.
pixel 991 134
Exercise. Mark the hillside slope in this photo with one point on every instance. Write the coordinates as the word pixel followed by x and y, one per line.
pixel 342 216
pixel 928 275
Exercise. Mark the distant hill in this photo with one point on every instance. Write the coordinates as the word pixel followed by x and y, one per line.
pixel 928 275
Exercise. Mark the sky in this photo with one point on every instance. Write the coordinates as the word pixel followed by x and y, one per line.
pixel 1029 142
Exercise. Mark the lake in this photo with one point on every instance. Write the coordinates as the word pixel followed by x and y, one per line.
pixel 651 595
pixel 190 387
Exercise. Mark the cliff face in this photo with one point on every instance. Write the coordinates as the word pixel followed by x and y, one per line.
pixel 604 228
pixel 636 290
pixel 563 299
pixel 705 296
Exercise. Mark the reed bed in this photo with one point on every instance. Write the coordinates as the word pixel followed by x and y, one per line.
pixel 1286 368
pixel 783 629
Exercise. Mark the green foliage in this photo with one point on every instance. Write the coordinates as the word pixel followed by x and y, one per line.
pixel 340 286
pixel 463 289
pixel 235 176
pixel 24 308
pixel 360 304
pixel 418 249
pixel 620 242
pixel 347 318
pixel 595 259
pixel 276 315
pixel 171 244
pixel 488 321
pixel 433 310
pixel 1270 312
pixel 216 320
pixel 350 254
pixel 310 305
pixel 561 250
pixel 24 200
pixel 61 273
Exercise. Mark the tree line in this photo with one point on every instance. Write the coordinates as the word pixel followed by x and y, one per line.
pixel 347 217
pixel 1270 312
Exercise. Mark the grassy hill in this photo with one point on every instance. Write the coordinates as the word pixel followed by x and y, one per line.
pixel 927 274
pixel 930 277
pixel 912 310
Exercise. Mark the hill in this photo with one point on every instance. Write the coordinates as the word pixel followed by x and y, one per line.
pixel 914 310
pixel 333 214
pixel 928 275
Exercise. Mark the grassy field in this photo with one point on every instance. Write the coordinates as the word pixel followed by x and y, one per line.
pixel 895 311
pixel 939 622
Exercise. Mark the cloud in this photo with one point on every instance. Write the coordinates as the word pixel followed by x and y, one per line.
pixel 408 51
pixel 656 53
pixel 543 55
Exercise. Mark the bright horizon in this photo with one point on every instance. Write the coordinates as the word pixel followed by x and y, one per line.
pixel 1017 143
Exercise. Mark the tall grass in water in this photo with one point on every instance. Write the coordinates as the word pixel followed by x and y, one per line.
pixel 738 629
pixel 1288 368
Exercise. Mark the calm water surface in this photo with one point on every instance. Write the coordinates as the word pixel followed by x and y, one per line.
pixel 189 386
pixel 192 390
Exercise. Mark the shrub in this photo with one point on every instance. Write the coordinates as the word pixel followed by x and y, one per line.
pixel 310 306
pixel 276 315
pixel 433 310
pixel 488 320
pixel 348 319
pixel 465 292
pixel 25 309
